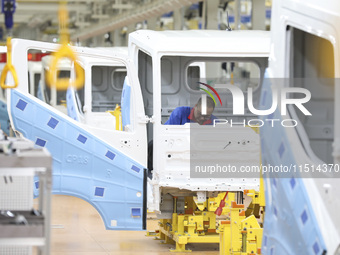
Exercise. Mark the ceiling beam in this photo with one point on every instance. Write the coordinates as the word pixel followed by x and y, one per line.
pixel 22 18
pixel 60 1
pixel 144 12
pixel 122 6
pixel 47 7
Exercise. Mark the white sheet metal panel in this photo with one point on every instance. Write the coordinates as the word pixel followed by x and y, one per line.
pixel 203 42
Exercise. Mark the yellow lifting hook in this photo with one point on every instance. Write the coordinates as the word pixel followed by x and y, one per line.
pixel 65 51
pixel 9 68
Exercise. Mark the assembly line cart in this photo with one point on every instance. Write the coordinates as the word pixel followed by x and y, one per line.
pixel 22 227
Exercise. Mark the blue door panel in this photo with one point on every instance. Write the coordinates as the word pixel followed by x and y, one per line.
pixel 72 108
pixel 83 165
pixel 290 225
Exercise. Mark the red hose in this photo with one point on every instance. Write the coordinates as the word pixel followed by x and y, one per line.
pixel 222 204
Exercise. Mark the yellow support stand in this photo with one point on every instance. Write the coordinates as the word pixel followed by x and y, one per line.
pixel 118 115
pixel 165 231
pixel 254 234
pixel 235 223
pixel 240 235
pixel 195 226
pixel 237 235
pixel 225 237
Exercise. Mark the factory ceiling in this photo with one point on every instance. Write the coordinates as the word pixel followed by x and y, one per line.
pixel 87 18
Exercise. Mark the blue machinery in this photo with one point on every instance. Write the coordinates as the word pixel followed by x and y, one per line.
pixel 8 9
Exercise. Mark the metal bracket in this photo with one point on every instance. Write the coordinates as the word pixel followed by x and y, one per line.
pixel 201 196
pixel 145 119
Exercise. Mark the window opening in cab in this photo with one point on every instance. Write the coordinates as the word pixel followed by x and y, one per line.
pixel 145 76
pixel 193 74
pixel 34 66
pixel 118 77
pixel 37 77
pixel 38 66
pixel 2 93
pixel 183 82
pixel 29 83
pixel 60 95
pixel 311 61
pixel 36 81
pixel 242 74
pixel 107 86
